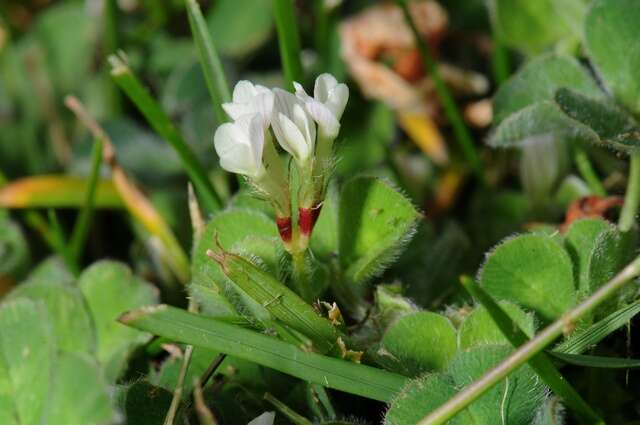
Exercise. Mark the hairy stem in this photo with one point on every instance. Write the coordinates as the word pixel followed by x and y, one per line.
pixel 632 197
pixel 588 173
pixel 522 355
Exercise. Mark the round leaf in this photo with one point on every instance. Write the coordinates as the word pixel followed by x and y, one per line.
pixel 611 29
pixel 421 342
pixel 533 271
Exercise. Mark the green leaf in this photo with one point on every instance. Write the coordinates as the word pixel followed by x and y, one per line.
pixel 238 34
pixel 611 30
pixel 209 285
pixel 201 331
pixel 422 395
pixel 14 251
pixel 110 289
pixel 533 271
pixel 613 126
pixel 26 361
pixel 514 399
pixel 538 81
pixel 375 223
pixel 324 239
pixel 478 328
pixel 79 394
pixel 280 301
pixel 532 26
pixel 540 121
pixel 540 363
pixel 421 342
pixel 612 251
pixel 597 361
pixel 68 314
pixel 580 243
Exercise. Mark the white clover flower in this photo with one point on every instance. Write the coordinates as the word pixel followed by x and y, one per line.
pixel 250 99
pixel 293 126
pixel 327 104
pixel 239 146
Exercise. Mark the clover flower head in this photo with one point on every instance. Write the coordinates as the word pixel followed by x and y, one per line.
pixel 292 125
pixel 240 144
pixel 249 98
pixel 327 104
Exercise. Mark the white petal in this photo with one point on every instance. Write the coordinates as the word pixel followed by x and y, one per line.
pixel 301 93
pixel 266 418
pixel 236 110
pixel 305 124
pixel 263 105
pixel 337 100
pixel 238 146
pixel 243 92
pixel 284 102
pixel 291 139
pixel 324 84
pixel 327 122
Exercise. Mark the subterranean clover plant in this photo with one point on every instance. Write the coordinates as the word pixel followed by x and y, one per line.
pixel 284 278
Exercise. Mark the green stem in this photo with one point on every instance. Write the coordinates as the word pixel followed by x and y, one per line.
pixel 588 173
pixel 160 122
pixel 302 275
pixel 632 197
pixel 463 136
pixel 60 242
pixel 288 40
pixel 81 227
pixel 540 363
pixel 209 60
pixel 526 352
pixel 186 361
pixel 500 61
pixel 293 416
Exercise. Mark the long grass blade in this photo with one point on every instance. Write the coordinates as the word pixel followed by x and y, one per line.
pixel 585 339
pixel 57 191
pixel 288 40
pixel 597 361
pixel 209 60
pixel 200 331
pixel 81 227
pixel 540 363
pixel 160 122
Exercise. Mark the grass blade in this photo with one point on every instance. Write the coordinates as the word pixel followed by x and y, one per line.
pixel 524 353
pixel 57 191
pixel 584 339
pixel 156 117
pixel 211 66
pixel 288 40
pixel 540 363
pixel 200 331
pixel 597 361
pixel 448 104
pixel 81 227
